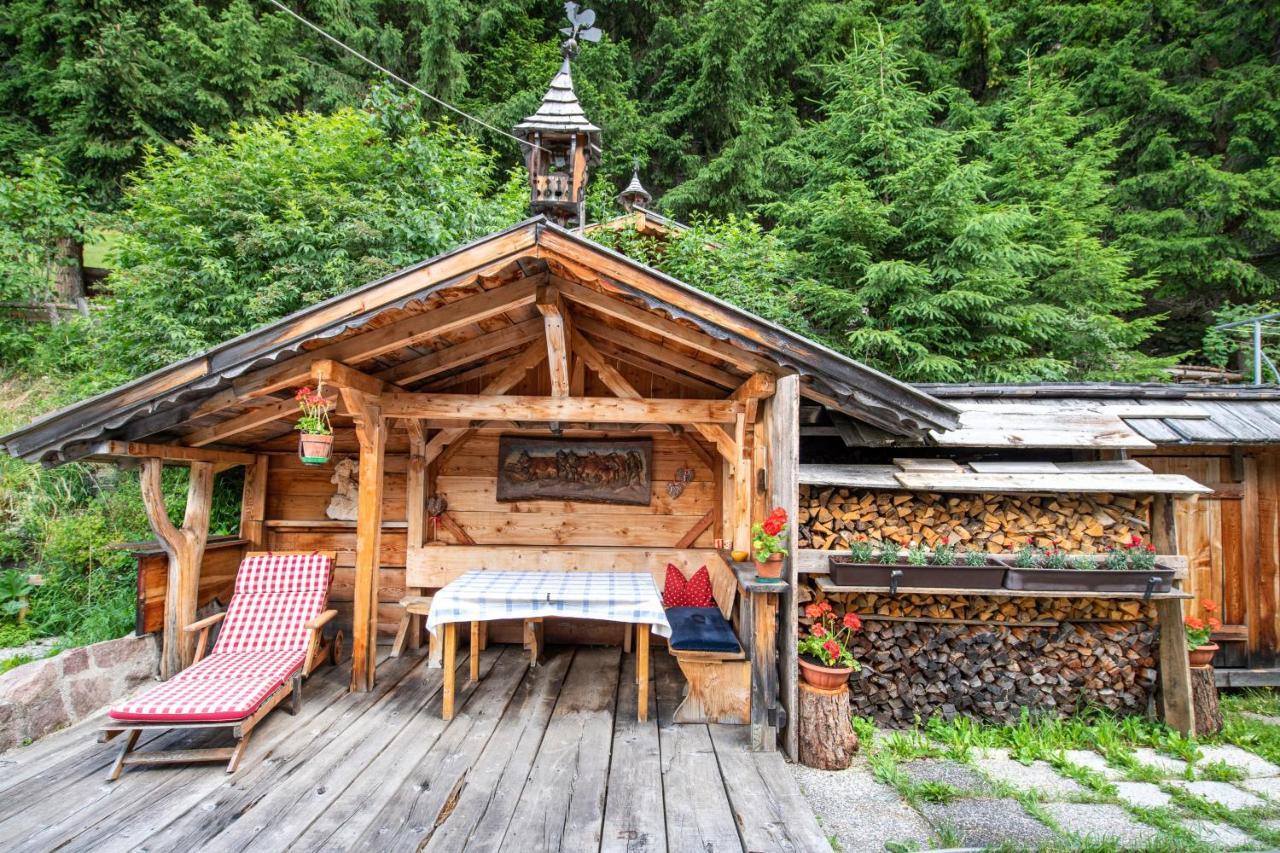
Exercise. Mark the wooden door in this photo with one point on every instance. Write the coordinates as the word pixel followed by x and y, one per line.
pixel 1215 538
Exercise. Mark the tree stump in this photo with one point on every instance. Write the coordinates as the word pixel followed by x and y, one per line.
pixel 827 739
pixel 1204 698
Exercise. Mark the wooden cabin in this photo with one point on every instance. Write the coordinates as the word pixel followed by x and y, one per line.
pixel 534 332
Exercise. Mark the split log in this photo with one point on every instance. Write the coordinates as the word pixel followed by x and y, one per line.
pixel 828 516
pixel 1204 698
pixel 983 608
pixel 827 739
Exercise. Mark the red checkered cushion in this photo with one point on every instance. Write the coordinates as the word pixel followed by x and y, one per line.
pixel 694 592
pixel 220 688
pixel 276 596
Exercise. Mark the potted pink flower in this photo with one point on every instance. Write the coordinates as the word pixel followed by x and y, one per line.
pixel 315 445
pixel 825 659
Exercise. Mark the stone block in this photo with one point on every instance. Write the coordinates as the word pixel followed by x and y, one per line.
pixel 88 695
pixel 30 683
pixel 74 661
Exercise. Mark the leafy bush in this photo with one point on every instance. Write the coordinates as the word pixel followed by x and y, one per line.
pixel 15 592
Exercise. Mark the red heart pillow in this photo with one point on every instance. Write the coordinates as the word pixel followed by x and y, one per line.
pixel 694 592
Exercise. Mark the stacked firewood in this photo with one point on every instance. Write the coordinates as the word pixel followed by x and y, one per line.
pixel 984 608
pixel 912 670
pixel 829 516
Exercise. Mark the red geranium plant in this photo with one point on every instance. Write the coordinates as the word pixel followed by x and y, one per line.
pixel 828 639
pixel 1200 630
pixel 767 536
pixel 315 412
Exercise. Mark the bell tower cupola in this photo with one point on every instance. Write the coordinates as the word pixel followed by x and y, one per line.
pixel 563 143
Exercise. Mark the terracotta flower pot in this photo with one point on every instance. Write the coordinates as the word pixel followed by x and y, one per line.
pixel 824 677
pixel 315 449
pixel 770 569
pixel 1203 655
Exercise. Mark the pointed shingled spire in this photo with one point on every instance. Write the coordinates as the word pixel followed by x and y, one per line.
pixel 560 111
pixel 635 195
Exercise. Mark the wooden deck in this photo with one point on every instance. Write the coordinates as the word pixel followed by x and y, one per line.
pixel 545 759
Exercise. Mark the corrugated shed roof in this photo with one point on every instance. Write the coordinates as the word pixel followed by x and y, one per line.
pixel 1234 414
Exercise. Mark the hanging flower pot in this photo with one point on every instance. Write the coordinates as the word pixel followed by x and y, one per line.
pixel 315 445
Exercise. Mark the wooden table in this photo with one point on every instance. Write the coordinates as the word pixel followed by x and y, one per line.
pixel 479 597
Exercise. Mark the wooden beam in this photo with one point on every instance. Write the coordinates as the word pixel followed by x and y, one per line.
pixel 758 386
pixel 459 354
pixel 609 375
pixel 626 356
pixel 253 419
pixel 253 503
pixel 578 378
pixel 371 432
pixel 340 375
pixel 555 322
pixel 564 410
pixel 504 381
pixel 698 450
pixel 171 453
pixel 605 335
pixel 723 442
pixel 415 490
pixel 393 336
pixel 701 341
pixel 184 547
pixel 691 536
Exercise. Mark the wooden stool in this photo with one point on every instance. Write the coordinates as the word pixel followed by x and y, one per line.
pixel 414 606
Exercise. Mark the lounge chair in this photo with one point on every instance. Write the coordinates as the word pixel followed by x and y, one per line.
pixel 269 641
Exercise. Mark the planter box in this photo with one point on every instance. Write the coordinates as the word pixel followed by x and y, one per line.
pixel 845 572
pixel 1096 580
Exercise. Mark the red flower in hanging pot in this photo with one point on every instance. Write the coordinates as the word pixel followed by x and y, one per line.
pixel 818 630
pixel 813 611
pixel 832 648
pixel 852 621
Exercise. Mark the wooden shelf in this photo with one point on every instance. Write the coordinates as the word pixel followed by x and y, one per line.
pixel 827 585
pixel 328 524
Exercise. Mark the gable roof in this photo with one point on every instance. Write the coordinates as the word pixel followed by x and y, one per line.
pixel 481 282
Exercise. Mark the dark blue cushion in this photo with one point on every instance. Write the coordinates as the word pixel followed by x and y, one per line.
pixel 701 629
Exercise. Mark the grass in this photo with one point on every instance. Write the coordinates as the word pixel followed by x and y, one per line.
pixel 1115 739
pixel 14 662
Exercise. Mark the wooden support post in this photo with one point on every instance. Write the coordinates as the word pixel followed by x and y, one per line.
pixel 185 548
pixel 827 740
pixel 783 417
pixel 764 671
pixel 371 431
pixel 415 507
pixel 556 321
pixel 1175 668
pixel 742 486
pixel 253 504
pixel 1204 694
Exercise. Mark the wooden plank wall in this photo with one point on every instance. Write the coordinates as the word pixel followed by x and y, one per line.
pixel 1229 539
pixel 217 578
pixel 297 494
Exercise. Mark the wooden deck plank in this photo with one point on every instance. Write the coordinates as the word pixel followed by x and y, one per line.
pixel 770 812
pixel 330 778
pixel 120 813
pixel 562 805
pixel 635 819
pixel 315 760
pixel 483 810
pixel 399 797
pixel 699 816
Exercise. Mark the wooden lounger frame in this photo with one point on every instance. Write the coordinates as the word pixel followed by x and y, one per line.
pixel 319 650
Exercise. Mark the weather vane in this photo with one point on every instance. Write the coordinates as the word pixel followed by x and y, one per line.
pixel 581 27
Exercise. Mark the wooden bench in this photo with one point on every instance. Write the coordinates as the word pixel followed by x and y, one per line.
pixel 719 683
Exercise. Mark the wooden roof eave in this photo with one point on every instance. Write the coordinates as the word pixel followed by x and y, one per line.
pixel 206 383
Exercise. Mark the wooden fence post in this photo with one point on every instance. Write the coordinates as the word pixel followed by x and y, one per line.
pixel 784 487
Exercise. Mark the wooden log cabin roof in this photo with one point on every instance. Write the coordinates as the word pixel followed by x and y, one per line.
pixel 447 323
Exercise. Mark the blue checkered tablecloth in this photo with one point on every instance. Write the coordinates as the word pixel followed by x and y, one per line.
pixel 611 596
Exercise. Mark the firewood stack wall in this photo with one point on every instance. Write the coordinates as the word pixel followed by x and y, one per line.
pixel 1051 656
pixel 1081 523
